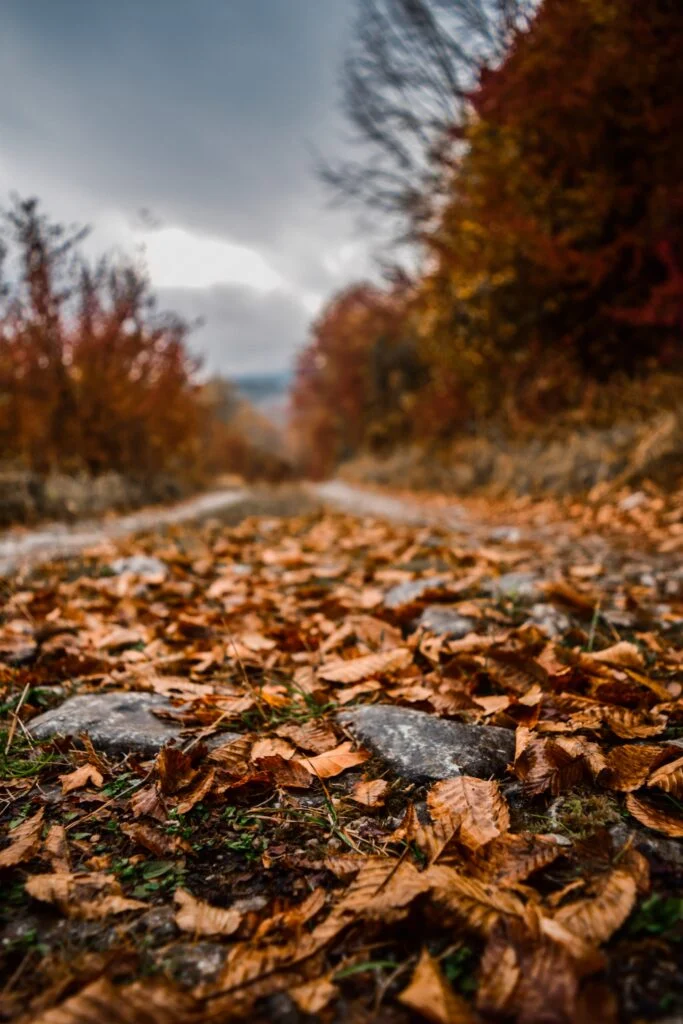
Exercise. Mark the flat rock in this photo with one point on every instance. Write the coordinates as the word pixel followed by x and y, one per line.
pixel 520 585
pixel 445 621
pixel 405 593
pixel 420 746
pixel 139 565
pixel 550 619
pixel 119 722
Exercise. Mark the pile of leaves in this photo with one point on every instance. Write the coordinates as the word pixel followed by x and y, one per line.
pixel 265 866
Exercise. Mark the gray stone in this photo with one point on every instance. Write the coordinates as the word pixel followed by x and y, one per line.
pixel 139 565
pixel 445 621
pixel 406 593
pixel 550 619
pixel 421 746
pixel 522 585
pixel 669 852
pixel 506 534
pixel 119 722
pixel 195 963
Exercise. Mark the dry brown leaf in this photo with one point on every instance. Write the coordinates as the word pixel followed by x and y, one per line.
pixel 545 765
pixel 354 670
pixel 476 904
pixel 268 747
pixel 100 1002
pixel 474 809
pixel 83 895
pixel 200 918
pixel 287 773
pixel 620 655
pixel 152 839
pixel 382 887
pixel 527 977
pixel 430 995
pixel 669 778
pixel 293 918
pixel 232 757
pixel 595 919
pixel 201 788
pixel 648 814
pixel 56 848
pixel 174 769
pixel 24 841
pixel 370 792
pixel 314 996
pixel 148 802
pixel 628 767
pixel 326 766
pixel 564 593
pixel 87 773
pixel 313 737
pixel 631 725
pixel 512 858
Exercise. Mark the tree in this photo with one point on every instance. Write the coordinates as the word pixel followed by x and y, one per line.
pixel 406 86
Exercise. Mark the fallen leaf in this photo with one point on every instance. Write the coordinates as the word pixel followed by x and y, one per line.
pixel 24 841
pixel 87 773
pixel 56 848
pixel 595 919
pixel 474 809
pixel 621 655
pixel 430 995
pixel 477 905
pixel 669 778
pixel 326 766
pixel 628 767
pixel 268 747
pixel 370 793
pixel 648 814
pixel 154 840
pixel 315 737
pixel 201 918
pixel 354 670
pixel 314 996
pixel 83 895
pixel 201 788
pixel 148 802
pixel 287 773
pixel 174 769
pixel 100 1002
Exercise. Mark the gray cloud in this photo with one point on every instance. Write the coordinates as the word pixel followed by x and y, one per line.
pixel 205 113
pixel 244 332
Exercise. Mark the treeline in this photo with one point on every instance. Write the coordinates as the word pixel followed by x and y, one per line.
pixel 532 154
pixel 94 379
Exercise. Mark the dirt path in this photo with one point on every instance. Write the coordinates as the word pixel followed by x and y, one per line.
pixel 19 546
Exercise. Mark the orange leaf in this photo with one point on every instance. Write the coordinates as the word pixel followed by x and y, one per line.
pixel 326 766
pixel 81 777
pixel 647 814
pixel 201 918
pixel 430 995
pixel 354 670
pixel 24 841
pixel 370 793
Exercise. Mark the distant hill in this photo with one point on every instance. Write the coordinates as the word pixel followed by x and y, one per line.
pixel 263 388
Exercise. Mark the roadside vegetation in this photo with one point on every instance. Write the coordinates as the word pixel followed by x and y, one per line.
pixel 531 157
pixel 96 381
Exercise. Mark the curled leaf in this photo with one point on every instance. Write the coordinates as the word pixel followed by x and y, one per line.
pixel 201 918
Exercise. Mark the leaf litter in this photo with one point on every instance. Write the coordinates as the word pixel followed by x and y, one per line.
pixel 315 874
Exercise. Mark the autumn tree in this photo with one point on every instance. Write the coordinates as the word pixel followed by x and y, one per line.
pixel 356 380
pixel 406 86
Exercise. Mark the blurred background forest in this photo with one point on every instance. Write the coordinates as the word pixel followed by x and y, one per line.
pixel 523 164
pixel 532 155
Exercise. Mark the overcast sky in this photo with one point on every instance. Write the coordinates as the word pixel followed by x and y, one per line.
pixel 207 114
